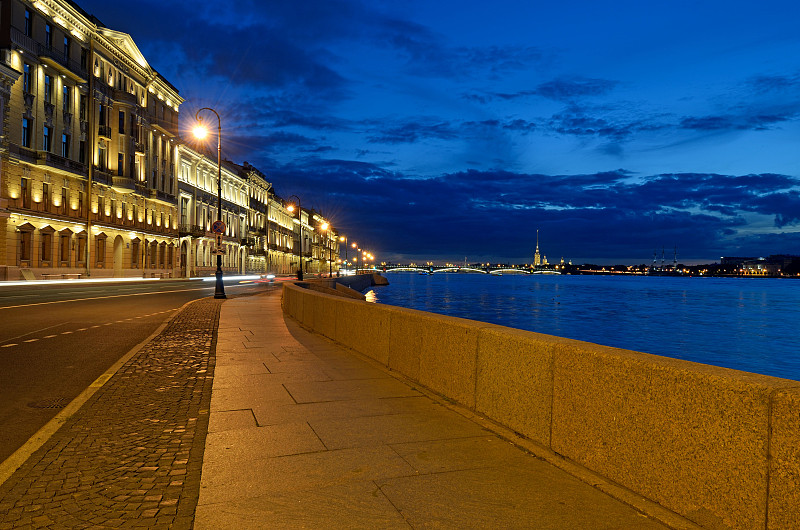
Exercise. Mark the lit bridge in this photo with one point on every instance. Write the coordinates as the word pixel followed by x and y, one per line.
pixel 467 270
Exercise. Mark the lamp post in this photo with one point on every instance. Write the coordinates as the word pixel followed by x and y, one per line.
pixel 343 239
pixel 291 208
pixel 325 227
pixel 201 132
pixel 355 258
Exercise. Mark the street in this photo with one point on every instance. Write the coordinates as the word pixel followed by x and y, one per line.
pixel 56 339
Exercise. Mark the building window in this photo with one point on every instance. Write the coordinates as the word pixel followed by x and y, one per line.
pixel 80 203
pixel 102 158
pixel 48 88
pixel 25 192
pixel 47 141
pixel 63 245
pixel 120 164
pixel 46 196
pixel 64 200
pixel 28 23
pixel 25 242
pixel 48 35
pixel 26 78
pixel 80 256
pixel 84 58
pixel 122 122
pixel 46 255
pixel 26 132
pixel 65 145
pixel 135 253
pixel 99 251
pixel 66 98
pixel 66 48
pixel 82 152
pixel 82 107
pixel 101 205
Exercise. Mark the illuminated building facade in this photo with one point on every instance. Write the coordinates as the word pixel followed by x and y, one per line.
pixel 197 210
pixel 87 181
pixel 94 178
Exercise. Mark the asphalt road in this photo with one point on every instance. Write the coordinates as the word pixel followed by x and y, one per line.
pixel 56 339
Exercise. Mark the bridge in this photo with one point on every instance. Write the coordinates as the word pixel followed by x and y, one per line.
pixel 466 270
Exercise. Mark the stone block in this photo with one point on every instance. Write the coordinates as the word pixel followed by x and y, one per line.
pixel 405 343
pixel 363 327
pixel 784 484
pixel 515 378
pixel 692 437
pixel 441 351
pixel 325 308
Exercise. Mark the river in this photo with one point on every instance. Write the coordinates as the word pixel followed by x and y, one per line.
pixel 750 324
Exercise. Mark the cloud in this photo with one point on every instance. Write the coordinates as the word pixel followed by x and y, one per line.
pixel 757 121
pixel 605 214
pixel 413 131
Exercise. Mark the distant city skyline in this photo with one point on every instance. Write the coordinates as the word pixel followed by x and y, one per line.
pixel 430 130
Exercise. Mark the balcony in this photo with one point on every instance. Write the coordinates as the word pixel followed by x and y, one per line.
pixel 102 176
pixel 190 230
pixel 123 185
pixel 124 97
pixel 248 242
pixel 59 162
pixel 23 41
pixel 138 147
pixel 49 109
pixel 57 58
pixel 162 196
pixel 104 131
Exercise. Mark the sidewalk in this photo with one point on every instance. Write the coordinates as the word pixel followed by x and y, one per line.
pixel 303 434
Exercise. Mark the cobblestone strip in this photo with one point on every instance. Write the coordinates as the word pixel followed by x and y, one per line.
pixel 133 454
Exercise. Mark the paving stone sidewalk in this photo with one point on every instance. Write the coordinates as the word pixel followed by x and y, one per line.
pixel 132 454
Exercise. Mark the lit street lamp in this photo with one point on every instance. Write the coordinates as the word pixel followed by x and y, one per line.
pixel 291 208
pixel 201 132
pixel 324 227
pixel 343 239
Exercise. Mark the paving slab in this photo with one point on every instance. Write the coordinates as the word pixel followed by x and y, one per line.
pixel 327 438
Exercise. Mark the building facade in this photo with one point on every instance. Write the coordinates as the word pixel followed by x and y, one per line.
pixel 87 183
pixel 95 180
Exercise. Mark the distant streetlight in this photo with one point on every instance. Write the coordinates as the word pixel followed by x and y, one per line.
pixel 324 227
pixel 344 240
pixel 200 131
pixel 292 208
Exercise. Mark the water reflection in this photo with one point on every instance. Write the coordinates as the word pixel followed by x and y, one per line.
pixel 746 324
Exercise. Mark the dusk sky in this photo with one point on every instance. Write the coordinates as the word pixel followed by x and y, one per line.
pixel 436 129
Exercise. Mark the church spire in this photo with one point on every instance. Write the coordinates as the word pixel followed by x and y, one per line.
pixel 537 259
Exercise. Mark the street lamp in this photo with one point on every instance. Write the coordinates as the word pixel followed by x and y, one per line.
pixel 291 208
pixel 343 239
pixel 201 132
pixel 325 226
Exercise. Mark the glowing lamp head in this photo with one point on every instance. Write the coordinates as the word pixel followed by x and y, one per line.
pixel 324 226
pixel 200 131
pixel 290 208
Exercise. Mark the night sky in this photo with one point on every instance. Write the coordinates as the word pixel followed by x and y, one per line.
pixel 450 129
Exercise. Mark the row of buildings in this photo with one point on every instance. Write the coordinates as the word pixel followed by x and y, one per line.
pixel 95 179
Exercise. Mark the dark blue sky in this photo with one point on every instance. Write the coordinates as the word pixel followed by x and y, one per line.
pixel 451 129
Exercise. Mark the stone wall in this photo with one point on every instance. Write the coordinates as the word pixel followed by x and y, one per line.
pixel 720 447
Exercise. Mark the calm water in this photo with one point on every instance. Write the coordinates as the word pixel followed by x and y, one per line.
pixel 746 324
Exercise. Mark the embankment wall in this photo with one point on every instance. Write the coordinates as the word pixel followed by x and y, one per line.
pixel 720 447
